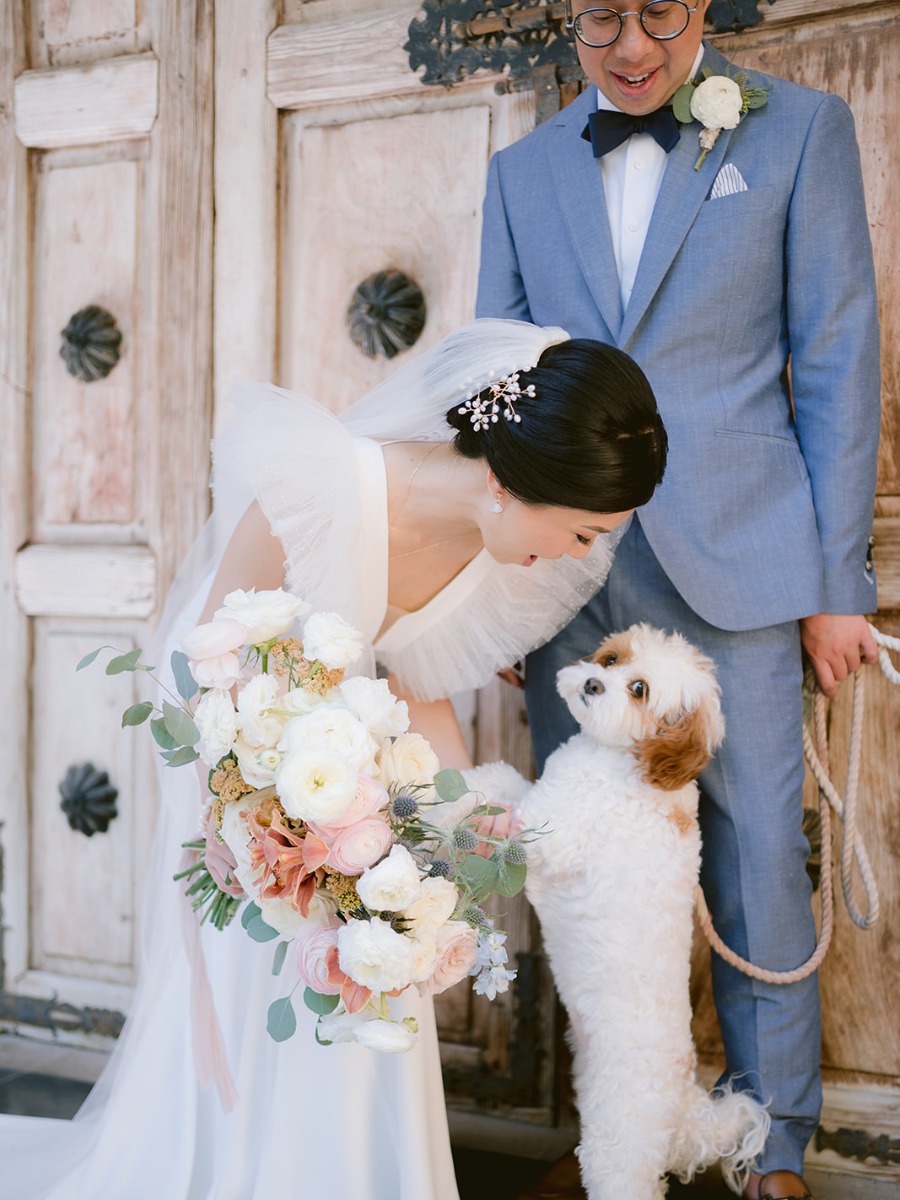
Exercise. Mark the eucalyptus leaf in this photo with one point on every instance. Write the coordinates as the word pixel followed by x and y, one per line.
pixel 162 735
pixel 319 1004
pixel 124 662
pixel 260 931
pixel 487 810
pixel 282 1020
pixel 480 873
pixel 89 658
pixel 184 680
pixel 182 756
pixel 681 104
pixel 137 714
pixel 278 960
pixel 180 725
pixel 450 784
pixel 512 878
pixel 250 913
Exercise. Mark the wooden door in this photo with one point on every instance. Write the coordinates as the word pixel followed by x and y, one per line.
pixel 349 168
pixel 105 158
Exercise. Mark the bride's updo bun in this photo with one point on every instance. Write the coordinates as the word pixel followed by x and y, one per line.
pixel 584 430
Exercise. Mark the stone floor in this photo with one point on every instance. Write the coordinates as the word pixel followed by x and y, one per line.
pixel 481 1175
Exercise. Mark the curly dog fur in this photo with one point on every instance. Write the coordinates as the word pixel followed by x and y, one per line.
pixel 613 884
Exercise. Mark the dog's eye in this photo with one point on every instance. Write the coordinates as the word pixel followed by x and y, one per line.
pixel 638 689
pixel 609 660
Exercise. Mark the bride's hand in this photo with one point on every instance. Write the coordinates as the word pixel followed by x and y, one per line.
pixel 503 825
pixel 514 675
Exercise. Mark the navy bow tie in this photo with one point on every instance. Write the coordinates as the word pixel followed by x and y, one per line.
pixel 607 129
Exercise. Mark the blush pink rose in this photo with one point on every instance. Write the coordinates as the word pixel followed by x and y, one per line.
pixel 312 949
pixel 360 846
pixel 457 945
pixel 370 798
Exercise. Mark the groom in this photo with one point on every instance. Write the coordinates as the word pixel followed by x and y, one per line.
pixel 744 288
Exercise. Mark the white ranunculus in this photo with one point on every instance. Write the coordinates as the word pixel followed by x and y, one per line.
pixel 408 759
pixel 264 615
pixel 332 640
pixel 258 727
pixel 434 905
pixel 717 102
pixel 300 701
pixel 333 729
pixel 216 720
pixel 425 955
pixel 257 764
pixel 376 706
pixel 388 1037
pixel 391 885
pixel 315 785
pixel 457 945
pixel 375 956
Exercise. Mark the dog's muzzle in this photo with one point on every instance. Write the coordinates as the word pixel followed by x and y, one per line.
pixel 593 687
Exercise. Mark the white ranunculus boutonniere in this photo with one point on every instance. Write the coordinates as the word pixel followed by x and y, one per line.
pixel 718 102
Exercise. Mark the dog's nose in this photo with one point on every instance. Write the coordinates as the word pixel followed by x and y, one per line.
pixel 593 687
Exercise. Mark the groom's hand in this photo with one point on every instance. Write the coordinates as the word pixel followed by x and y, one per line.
pixel 836 644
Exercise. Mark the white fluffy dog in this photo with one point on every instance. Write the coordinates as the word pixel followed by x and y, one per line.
pixel 613 885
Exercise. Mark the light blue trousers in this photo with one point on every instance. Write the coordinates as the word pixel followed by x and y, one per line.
pixel 754 852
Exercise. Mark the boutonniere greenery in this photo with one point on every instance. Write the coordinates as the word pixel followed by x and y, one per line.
pixel 718 102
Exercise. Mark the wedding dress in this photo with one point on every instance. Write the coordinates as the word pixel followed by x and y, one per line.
pixel 303 1117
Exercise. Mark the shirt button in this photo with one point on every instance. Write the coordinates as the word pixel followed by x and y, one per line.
pixel 633 227
pixel 639 165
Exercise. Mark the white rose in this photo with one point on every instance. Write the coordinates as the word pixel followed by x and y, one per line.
pixel 332 640
pixel 376 706
pixel 716 103
pixel 254 700
pixel 264 615
pixel 407 759
pixel 376 957
pixel 257 764
pixel 333 730
pixel 457 945
pixel 315 785
pixel 424 955
pixel 391 885
pixel 434 905
pixel 211 653
pixel 216 720
pixel 388 1037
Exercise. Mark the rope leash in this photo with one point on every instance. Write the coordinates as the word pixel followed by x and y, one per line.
pixel 852 847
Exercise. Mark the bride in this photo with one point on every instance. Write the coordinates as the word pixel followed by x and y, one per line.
pixel 458 515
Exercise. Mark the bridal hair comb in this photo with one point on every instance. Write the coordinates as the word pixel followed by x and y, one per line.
pixel 484 407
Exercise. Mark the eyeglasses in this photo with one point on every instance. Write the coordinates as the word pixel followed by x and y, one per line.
pixel 661 20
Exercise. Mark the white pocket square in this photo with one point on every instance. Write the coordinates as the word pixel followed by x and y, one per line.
pixel 729 182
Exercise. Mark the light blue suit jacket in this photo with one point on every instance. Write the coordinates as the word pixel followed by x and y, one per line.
pixel 766 509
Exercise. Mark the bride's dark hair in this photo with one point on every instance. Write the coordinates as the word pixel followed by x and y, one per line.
pixel 590 438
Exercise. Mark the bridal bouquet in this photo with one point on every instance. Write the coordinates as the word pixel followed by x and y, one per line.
pixel 327 822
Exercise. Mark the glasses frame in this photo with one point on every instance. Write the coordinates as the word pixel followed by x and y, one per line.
pixel 571 22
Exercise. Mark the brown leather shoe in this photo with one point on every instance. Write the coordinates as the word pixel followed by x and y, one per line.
pixel 783 1185
pixel 561 1182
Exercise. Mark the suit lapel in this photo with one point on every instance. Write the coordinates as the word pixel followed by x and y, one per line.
pixel 681 194
pixel 579 189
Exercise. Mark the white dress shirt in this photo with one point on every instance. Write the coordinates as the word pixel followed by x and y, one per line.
pixel 632 174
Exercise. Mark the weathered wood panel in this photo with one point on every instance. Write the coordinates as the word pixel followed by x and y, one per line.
pixel 63 22
pixel 82 892
pixel 81 581
pixel 368 165
pixel 15 647
pixel 85 245
pixel 76 106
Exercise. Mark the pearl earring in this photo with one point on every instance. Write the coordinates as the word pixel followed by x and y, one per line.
pixel 498 507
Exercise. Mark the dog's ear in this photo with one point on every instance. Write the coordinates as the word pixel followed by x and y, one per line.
pixel 675 754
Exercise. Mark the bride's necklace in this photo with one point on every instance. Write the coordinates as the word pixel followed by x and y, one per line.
pixel 429 545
